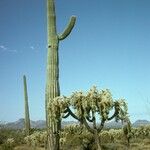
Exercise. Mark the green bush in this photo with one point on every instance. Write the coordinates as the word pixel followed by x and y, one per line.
pixel 17 135
pixel 8 145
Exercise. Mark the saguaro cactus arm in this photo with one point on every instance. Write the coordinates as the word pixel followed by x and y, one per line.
pixel 68 29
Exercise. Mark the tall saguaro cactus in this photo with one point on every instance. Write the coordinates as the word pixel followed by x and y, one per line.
pixel 27 116
pixel 52 81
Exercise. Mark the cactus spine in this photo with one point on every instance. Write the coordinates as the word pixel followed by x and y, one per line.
pixel 27 116
pixel 52 80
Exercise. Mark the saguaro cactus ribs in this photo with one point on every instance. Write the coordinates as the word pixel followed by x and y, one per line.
pixel 52 81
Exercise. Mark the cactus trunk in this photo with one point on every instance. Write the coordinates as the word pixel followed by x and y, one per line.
pixel 27 116
pixel 52 85
pixel 52 80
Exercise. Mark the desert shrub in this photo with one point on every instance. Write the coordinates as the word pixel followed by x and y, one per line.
pixel 70 136
pixel 37 139
pixel 76 136
pixel 9 144
pixel 146 141
pixel 17 135
pixel 4 134
pixel 111 135
pixel 6 147
pixel 141 132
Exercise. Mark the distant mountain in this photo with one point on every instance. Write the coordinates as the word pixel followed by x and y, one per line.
pixel 140 123
pixel 137 123
pixel 19 124
pixel 113 124
pixel 38 124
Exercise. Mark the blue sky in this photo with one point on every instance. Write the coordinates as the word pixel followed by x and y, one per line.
pixel 109 47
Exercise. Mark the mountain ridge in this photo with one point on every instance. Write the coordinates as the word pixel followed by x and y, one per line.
pixel 19 124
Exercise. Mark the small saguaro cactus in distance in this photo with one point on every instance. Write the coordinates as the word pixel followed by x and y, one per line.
pixel 52 80
pixel 27 116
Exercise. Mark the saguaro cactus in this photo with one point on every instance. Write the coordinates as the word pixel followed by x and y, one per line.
pixel 27 116
pixel 52 81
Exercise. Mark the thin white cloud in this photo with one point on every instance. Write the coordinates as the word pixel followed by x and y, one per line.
pixel 6 49
pixel 2 47
pixel 32 47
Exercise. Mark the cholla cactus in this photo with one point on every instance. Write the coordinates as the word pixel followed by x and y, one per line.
pixel 70 130
pixel 94 107
pixel 9 144
pixel 10 141
pixel 75 132
pixel 116 134
pixel 141 132
pixel 105 136
pixel 52 84
pixel 37 139
pixel 57 108
pixel 27 116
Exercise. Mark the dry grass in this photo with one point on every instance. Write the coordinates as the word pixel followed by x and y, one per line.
pixel 25 147
pixel 136 144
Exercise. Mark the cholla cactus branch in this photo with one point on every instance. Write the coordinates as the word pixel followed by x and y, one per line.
pixel 88 119
pixel 87 126
pixel 67 115
pixel 72 114
pixel 116 105
pixel 101 125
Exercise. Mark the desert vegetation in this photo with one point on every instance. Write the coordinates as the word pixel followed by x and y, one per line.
pixel 76 137
pixel 92 109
